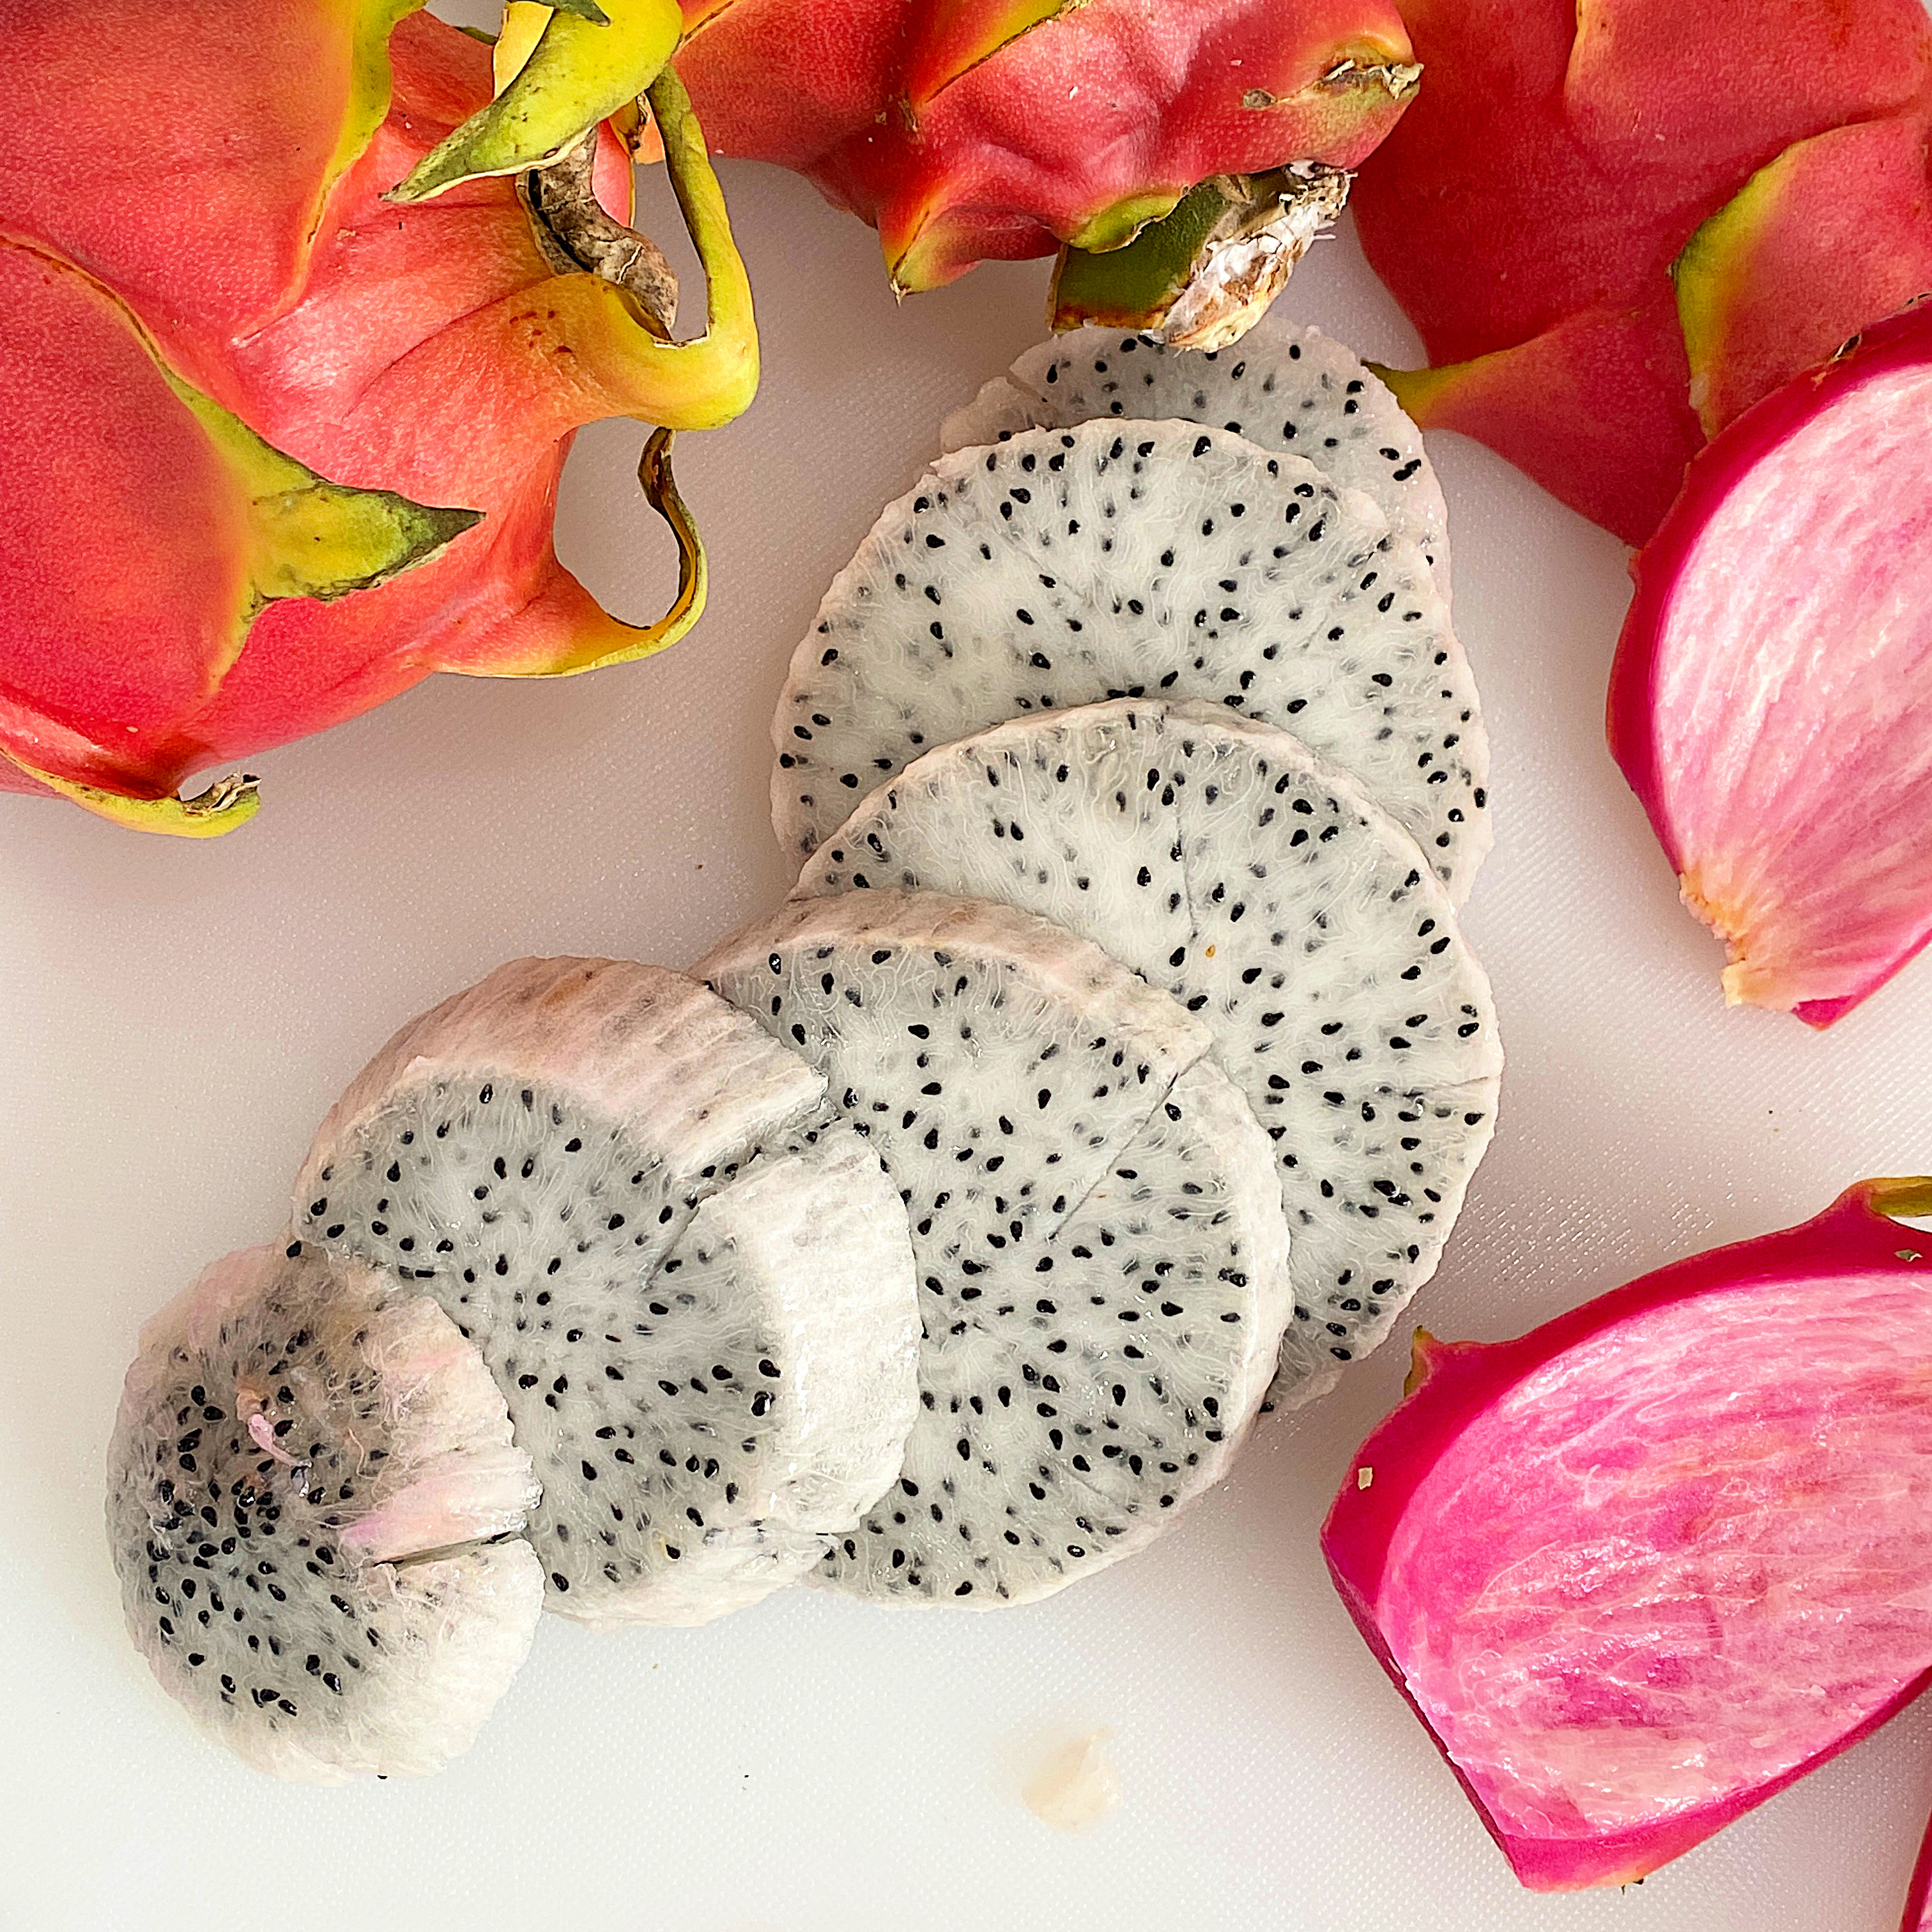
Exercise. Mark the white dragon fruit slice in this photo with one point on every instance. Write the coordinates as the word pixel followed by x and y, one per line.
pixel 693 1285
pixel 1226 864
pixel 1281 387
pixel 1097 1228
pixel 1067 567
pixel 312 1501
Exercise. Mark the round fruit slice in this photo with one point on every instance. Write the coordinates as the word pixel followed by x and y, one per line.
pixel 694 1286
pixel 1065 567
pixel 305 1477
pixel 1226 864
pixel 1097 1226
pixel 1290 389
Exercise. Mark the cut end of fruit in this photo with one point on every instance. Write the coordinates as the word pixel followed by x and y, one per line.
pixel 228 803
pixel 1746 984
pixel 287 1406
pixel 1746 981
pixel 1201 277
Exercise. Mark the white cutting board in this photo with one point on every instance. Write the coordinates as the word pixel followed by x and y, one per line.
pixel 174 1018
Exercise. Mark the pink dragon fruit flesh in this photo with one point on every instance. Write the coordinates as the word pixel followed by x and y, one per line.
pixel 1642 1568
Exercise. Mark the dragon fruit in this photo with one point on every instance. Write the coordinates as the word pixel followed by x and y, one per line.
pixel 1226 864
pixel 1610 254
pixel 1096 1230
pixel 694 1287
pixel 966 130
pixel 1768 703
pixel 1067 567
pixel 279 444
pixel 1644 1568
pixel 1290 389
pixel 313 1504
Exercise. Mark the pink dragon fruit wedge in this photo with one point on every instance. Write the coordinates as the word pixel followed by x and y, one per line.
pixel 1772 700
pixel 1644 1568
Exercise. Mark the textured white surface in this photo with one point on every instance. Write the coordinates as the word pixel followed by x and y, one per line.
pixel 175 1019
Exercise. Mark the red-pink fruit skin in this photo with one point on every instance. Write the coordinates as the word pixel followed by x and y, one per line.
pixel 1456 1382
pixel 376 365
pixel 1560 154
pixel 1613 427
pixel 1009 155
pixel 1903 340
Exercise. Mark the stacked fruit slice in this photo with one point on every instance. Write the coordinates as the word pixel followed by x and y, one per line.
pixel 1115 1057
pixel 598 1183
pixel 1197 697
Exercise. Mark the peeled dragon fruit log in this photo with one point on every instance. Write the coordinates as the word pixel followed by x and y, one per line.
pixel 1768 702
pixel 965 131
pixel 1619 222
pixel 1644 1568
pixel 283 435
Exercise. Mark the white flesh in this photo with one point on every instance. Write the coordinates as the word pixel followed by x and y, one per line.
pixel 695 1289
pixel 1281 387
pixel 1096 1227
pixel 1226 864
pixel 305 1476
pixel 1065 567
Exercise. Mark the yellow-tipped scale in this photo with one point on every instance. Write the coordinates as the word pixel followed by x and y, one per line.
pixel 578 73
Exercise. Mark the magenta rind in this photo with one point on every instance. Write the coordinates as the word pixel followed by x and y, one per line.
pixel 1456 1383
pixel 1901 341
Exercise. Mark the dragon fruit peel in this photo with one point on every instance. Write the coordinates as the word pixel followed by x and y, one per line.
pixel 1644 1568
pixel 1768 703
pixel 274 315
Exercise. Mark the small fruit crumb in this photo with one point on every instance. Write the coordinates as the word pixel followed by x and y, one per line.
pixel 1076 1787
pixel 1364 1478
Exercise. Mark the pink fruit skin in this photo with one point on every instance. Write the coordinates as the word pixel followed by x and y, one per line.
pixel 956 159
pixel 176 157
pixel 1769 699
pixel 1643 1568
pixel 1558 157
pixel 1918 1901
